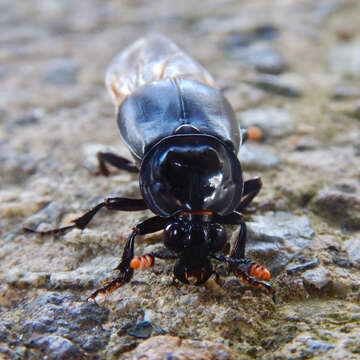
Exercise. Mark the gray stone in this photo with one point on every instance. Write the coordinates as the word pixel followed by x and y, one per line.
pixel 3 71
pixel 345 91
pixel 46 218
pixel 332 161
pixel 318 277
pixel 57 347
pixel 24 279
pixel 257 157
pixel 277 237
pixel 141 330
pixel 27 119
pixel 273 122
pixel 344 59
pixel 306 143
pixel 352 247
pixel 64 328
pixel 273 84
pixel 262 56
pixel 62 71
pixel 16 166
pixel 263 32
pixel 340 203
pixel 244 96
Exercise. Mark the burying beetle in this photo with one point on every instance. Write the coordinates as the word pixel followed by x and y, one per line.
pixel 184 138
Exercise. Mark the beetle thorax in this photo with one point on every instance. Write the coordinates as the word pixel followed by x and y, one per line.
pixel 191 173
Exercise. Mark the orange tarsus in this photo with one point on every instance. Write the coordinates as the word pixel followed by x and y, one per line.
pixel 142 262
pixel 247 281
pixel 259 272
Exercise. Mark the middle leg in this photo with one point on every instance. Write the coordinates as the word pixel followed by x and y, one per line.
pixel 127 264
pixel 119 204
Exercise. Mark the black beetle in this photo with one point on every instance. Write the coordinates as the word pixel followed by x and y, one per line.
pixel 184 138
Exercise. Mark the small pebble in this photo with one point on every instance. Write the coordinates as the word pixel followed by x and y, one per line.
pixel 346 91
pixel 352 247
pixel 141 330
pixel 3 71
pixel 27 279
pixel 263 32
pixel 274 85
pixel 340 203
pixel 57 347
pixel 257 157
pixel 305 143
pixel 344 59
pixel 254 133
pixel 345 32
pixel 16 166
pixel 319 347
pixel 260 55
pixel 318 277
pixel 27 119
pixel 62 71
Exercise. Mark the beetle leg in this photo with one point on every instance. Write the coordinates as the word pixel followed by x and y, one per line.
pixel 238 250
pixel 146 261
pixel 176 283
pixel 249 280
pixel 121 204
pixel 236 260
pixel 235 218
pixel 143 262
pixel 251 188
pixel 245 270
pixel 217 278
pixel 116 161
pixel 238 253
pixel 128 263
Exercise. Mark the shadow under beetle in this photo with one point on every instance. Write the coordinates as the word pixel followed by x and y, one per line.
pixel 184 138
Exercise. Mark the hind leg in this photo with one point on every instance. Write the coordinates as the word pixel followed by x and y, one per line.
pixel 116 161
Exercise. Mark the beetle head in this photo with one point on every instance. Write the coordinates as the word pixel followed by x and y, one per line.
pixel 192 264
pixel 194 240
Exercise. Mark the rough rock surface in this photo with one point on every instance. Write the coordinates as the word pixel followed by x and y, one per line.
pixel 290 68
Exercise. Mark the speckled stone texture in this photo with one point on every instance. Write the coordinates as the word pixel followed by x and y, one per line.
pixel 290 68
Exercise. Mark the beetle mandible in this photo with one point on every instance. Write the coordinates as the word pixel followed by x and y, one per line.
pixel 184 137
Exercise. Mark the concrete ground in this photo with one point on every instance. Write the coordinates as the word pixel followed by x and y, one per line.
pixel 289 68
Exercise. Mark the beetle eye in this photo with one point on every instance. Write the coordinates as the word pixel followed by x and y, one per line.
pixel 173 235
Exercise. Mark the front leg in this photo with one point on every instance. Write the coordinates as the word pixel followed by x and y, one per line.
pixel 127 264
pixel 243 268
pixel 240 267
pixel 235 218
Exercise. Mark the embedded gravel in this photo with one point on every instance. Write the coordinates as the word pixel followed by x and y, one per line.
pixel 290 68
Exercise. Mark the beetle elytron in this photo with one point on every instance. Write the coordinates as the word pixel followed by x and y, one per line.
pixel 184 138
